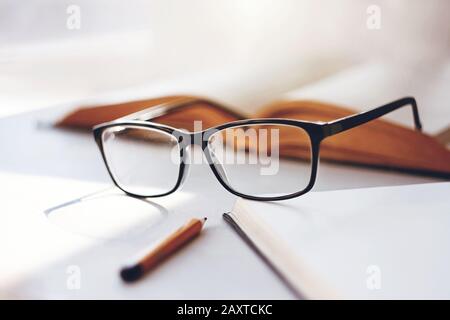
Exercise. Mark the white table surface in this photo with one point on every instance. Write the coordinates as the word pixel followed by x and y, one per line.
pixel 216 265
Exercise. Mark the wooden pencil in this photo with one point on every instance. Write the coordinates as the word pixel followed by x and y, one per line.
pixel 168 246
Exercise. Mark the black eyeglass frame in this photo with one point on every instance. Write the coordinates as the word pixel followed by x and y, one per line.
pixel 317 132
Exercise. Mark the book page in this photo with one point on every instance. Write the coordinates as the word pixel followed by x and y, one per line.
pixel 368 243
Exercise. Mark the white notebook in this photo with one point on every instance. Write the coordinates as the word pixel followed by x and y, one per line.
pixel 374 243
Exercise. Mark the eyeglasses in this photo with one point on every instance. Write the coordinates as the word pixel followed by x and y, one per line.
pixel 257 159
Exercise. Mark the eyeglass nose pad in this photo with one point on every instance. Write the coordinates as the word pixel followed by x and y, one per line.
pixel 186 161
pixel 219 167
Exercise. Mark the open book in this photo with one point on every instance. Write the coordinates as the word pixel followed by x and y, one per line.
pixel 374 243
pixel 379 143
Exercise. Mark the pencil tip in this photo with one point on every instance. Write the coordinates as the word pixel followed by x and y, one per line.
pixel 205 218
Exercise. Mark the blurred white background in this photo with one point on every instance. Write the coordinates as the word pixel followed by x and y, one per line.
pixel 245 52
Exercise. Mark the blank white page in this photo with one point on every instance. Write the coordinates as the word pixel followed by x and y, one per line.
pixel 388 242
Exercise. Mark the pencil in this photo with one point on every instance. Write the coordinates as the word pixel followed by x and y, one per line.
pixel 169 245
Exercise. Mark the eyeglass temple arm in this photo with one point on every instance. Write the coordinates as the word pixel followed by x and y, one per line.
pixel 155 111
pixel 343 124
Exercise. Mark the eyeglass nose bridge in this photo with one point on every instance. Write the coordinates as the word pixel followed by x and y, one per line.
pixel 187 139
pixel 199 139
